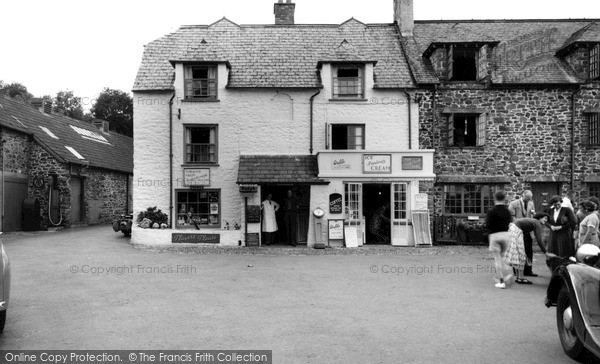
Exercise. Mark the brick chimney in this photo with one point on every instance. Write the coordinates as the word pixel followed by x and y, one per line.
pixel 103 125
pixel 42 105
pixel 284 12
pixel 403 16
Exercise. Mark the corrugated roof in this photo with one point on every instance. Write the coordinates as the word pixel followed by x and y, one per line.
pixel 257 169
pixel 525 50
pixel 275 55
pixel 57 132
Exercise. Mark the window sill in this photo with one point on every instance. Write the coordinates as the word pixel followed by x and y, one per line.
pixel 592 146
pixel 355 99
pixel 200 164
pixel 200 100
pixel 457 147
pixel 202 227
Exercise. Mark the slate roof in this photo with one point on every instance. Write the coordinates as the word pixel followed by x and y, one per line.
pixel 258 169
pixel 588 34
pixel 103 150
pixel 275 55
pixel 527 47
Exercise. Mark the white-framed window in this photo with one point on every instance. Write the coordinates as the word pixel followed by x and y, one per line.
pixel 201 144
pixel 466 130
pixel 198 207
pixel 595 62
pixel 466 199
pixel 400 201
pixel 345 136
pixel 353 203
pixel 348 81
pixel 200 82
pixel 462 63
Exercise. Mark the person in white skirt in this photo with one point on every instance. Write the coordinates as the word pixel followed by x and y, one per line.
pixel 269 223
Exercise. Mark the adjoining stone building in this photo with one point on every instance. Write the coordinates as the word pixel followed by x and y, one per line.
pixel 225 114
pixel 509 104
pixel 77 173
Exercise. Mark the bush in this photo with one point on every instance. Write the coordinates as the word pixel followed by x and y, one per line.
pixel 156 216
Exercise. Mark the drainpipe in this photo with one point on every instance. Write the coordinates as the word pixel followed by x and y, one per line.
pixel 312 99
pixel 433 119
pixel 3 172
pixel 409 120
pixel 573 139
pixel 171 160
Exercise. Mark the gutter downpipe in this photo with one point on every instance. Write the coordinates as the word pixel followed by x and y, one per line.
pixel 312 99
pixel 433 119
pixel 409 120
pixel 171 161
pixel 573 140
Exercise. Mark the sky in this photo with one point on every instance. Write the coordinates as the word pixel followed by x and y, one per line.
pixel 84 46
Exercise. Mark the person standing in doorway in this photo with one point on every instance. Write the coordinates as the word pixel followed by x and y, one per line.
pixel 269 225
pixel 497 222
pixel 522 208
pixel 291 218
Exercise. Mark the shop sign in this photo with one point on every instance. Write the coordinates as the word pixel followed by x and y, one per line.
pixel 412 163
pixel 336 229
pixel 196 177
pixel 252 239
pixel 377 163
pixel 340 163
pixel 250 189
pixel 421 201
pixel 253 214
pixel 195 238
pixel 335 203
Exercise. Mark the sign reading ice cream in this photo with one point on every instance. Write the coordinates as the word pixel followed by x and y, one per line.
pixel 377 163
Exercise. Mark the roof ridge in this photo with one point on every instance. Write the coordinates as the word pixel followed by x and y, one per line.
pixel 570 20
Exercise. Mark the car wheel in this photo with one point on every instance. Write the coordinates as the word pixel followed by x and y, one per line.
pixel 2 320
pixel 571 344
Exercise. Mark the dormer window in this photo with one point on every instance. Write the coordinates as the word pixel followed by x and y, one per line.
pixel 462 63
pixel 348 81
pixel 201 82
pixel 595 62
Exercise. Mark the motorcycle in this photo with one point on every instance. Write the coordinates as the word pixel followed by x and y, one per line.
pixel 123 224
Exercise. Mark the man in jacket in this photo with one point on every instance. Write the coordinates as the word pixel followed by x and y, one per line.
pixel 522 208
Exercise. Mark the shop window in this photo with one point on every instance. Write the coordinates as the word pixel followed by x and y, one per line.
pixel 465 199
pixel 348 81
pixel 462 63
pixel 347 136
pixel 201 144
pixel 199 208
pixel 595 62
pixel 466 130
pixel 200 82
pixel 593 127
pixel 352 197
pixel 594 189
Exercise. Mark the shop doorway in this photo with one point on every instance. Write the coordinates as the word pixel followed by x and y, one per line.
pixel 376 211
pixel 302 195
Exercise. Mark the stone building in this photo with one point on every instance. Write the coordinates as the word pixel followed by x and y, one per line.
pixel 225 114
pixel 77 173
pixel 509 104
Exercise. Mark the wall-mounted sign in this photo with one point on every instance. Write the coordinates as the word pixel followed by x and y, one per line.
pixel 412 163
pixel 377 163
pixel 38 182
pixel 214 208
pixel 336 229
pixel 248 189
pixel 196 177
pixel 340 163
pixel 253 214
pixel 195 238
pixel 252 239
pixel 335 203
pixel 421 201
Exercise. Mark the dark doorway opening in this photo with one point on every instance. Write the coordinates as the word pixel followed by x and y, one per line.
pixel 301 193
pixel 376 210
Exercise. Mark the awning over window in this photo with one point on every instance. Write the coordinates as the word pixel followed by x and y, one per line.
pixel 263 169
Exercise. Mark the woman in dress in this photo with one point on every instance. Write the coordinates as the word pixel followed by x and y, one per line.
pixel 269 223
pixel 515 255
pixel 561 222
pixel 588 228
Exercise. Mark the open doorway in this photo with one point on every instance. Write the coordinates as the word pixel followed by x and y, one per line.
pixel 301 193
pixel 376 210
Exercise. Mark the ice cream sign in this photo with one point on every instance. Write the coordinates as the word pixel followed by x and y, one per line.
pixel 377 163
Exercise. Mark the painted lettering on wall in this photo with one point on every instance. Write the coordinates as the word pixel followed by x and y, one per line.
pixel 340 164
pixel 195 238
pixel 377 163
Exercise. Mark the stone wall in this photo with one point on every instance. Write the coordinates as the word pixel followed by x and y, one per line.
pixel 15 151
pixel 106 195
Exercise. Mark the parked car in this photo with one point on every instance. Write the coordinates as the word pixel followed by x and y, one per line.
pixel 575 291
pixel 4 284
pixel 123 224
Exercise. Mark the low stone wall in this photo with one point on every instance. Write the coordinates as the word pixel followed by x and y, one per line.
pixel 150 237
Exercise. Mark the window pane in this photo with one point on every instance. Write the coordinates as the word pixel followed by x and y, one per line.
pixel 201 144
pixel 195 208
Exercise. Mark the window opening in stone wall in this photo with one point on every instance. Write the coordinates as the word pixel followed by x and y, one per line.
pixel 466 130
pixel 595 62
pixel 462 63
pixel 200 208
pixel 593 127
pixel 200 82
pixel 594 189
pixel 201 144
pixel 347 136
pixel 348 82
pixel 464 199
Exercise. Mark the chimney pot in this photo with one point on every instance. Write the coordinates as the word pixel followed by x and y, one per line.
pixel 284 12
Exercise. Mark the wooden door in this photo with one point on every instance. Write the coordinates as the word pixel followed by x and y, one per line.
pixel 542 193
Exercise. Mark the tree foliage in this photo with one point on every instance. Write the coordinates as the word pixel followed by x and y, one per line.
pixel 116 107
pixel 15 91
pixel 67 103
